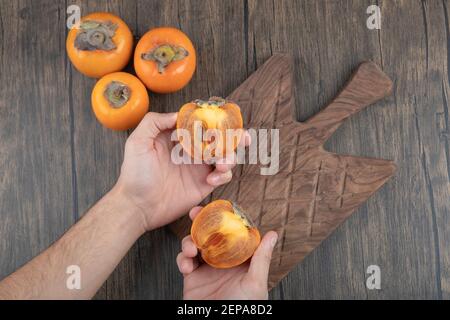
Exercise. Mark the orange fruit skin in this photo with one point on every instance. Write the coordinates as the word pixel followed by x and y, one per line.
pixel 129 115
pixel 98 63
pixel 177 74
pixel 222 237
pixel 225 117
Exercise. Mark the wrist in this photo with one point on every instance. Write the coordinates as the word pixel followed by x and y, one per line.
pixel 127 210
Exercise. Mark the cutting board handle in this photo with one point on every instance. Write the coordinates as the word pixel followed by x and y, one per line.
pixel 367 85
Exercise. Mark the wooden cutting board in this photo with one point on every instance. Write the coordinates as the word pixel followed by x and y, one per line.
pixel 314 190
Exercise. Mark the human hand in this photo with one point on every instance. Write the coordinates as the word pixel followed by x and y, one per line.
pixel 247 281
pixel 160 190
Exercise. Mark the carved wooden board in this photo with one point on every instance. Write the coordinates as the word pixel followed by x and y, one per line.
pixel 314 190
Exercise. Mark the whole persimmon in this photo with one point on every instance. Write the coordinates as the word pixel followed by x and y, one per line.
pixel 209 129
pixel 224 235
pixel 165 60
pixel 100 44
pixel 119 101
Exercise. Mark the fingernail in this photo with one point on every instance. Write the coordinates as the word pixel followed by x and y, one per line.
pixel 213 179
pixel 227 175
pixel 184 266
pixel 274 240
pixel 219 179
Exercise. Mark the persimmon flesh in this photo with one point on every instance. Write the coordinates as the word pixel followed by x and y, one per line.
pixel 224 235
pixel 209 129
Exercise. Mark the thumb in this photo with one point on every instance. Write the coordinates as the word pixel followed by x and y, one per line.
pixel 260 263
pixel 153 123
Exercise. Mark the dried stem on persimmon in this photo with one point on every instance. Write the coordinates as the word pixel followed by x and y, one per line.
pixel 117 94
pixel 164 55
pixel 96 35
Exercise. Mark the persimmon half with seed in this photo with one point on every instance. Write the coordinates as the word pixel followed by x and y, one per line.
pixel 224 235
pixel 209 129
pixel 119 101
pixel 102 43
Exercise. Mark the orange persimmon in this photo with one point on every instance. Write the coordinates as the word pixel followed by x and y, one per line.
pixel 102 43
pixel 120 101
pixel 224 235
pixel 165 60
pixel 209 129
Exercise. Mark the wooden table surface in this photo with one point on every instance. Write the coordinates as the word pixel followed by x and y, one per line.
pixel 56 160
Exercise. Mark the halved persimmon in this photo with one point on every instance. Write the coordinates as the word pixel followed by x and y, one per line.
pixel 120 101
pixel 224 235
pixel 209 129
pixel 165 60
pixel 102 43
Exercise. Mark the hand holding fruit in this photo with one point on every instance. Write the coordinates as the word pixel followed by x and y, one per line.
pixel 224 234
pixel 246 281
pixel 160 189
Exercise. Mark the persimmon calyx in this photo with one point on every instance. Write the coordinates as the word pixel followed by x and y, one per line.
pixel 96 35
pixel 165 54
pixel 117 94
pixel 211 102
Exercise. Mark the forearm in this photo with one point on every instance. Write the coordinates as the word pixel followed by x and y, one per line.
pixel 95 244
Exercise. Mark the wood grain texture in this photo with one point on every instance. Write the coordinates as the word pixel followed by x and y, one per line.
pixel 56 161
pixel 36 193
pixel 314 190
